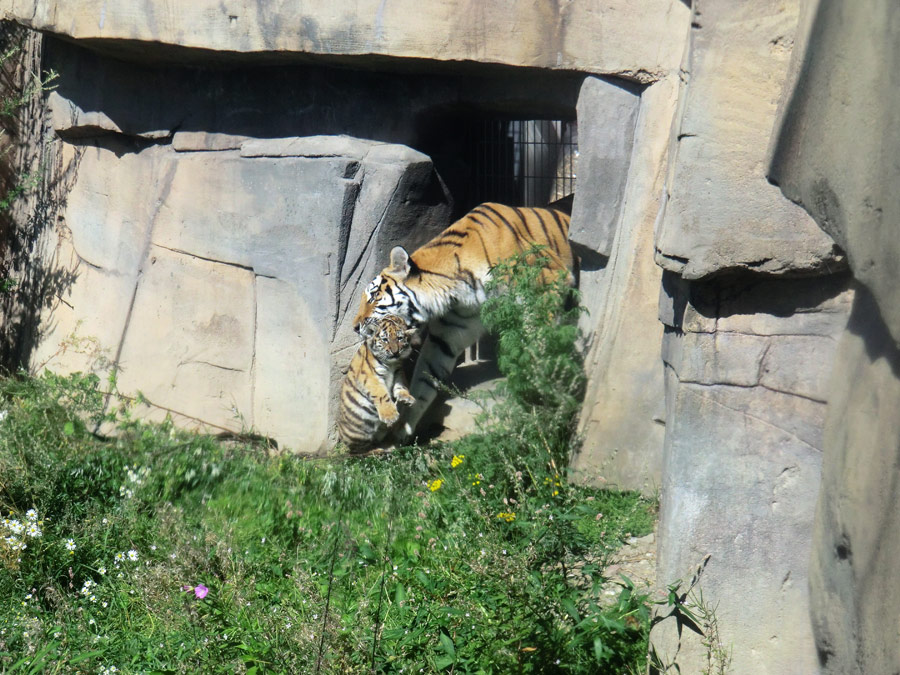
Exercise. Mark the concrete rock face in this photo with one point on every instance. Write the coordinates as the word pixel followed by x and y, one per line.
pixel 633 37
pixel 621 422
pixel 722 214
pixel 753 302
pixel 849 185
pixel 746 382
pixel 219 273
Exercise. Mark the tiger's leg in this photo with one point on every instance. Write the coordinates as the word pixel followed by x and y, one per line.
pixel 556 264
pixel 384 405
pixel 448 336
pixel 401 391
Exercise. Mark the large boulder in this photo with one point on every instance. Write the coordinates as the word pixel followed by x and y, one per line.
pixel 753 301
pixel 722 214
pixel 219 277
pixel 836 155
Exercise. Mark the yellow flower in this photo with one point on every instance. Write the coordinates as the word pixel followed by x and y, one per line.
pixel 435 484
pixel 508 517
pixel 457 460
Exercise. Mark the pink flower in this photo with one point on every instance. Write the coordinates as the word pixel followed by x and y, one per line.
pixel 199 590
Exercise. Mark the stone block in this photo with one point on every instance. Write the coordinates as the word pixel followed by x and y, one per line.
pixel 856 541
pixel 189 344
pixel 109 220
pixel 740 484
pixel 744 416
pixel 291 377
pixel 203 141
pixel 84 324
pixel 635 37
pixel 606 117
pixel 722 214
pixel 793 364
pixel 230 308
pixel 847 183
pixel 621 417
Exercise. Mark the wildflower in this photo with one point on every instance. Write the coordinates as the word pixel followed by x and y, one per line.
pixel 34 531
pixel 31 515
pixel 120 557
pixel 457 460
pixel 200 591
pixel 435 484
pixel 507 516
pixel 102 570
pixel 132 555
pixel 70 546
pixel 16 527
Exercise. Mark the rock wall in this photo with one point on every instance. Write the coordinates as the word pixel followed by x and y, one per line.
pixel 849 185
pixel 214 197
pixel 753 299
pixel 610 37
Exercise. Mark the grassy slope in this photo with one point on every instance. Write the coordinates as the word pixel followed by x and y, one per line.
pixel 476 557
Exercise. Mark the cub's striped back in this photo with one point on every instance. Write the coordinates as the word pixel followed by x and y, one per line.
pixel 374 383
pixel 442 284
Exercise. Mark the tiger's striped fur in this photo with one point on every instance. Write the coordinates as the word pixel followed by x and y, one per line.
pixel 441 285
pixel 374 383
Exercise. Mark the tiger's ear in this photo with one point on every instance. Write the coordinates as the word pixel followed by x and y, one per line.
pixel 399 261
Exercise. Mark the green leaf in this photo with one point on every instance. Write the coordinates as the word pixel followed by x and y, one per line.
pixel 399 594
pixel 598 650
pixel 443 662
pixel 448 645
pixel 84 657
pixel 68 428
pixel 571 610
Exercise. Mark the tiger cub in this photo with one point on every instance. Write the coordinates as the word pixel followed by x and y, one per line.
pixel 374 384
pixel 442 283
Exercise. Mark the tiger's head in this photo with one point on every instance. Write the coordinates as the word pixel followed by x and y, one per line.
pixel 391 339
pixel 389 294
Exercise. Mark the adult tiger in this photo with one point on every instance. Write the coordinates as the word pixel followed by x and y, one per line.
pixel 441 285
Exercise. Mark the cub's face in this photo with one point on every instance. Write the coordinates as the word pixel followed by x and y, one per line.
pixel 390 339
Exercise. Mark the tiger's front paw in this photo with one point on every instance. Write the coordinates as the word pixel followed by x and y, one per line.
pixel 403 396
pixel 389 414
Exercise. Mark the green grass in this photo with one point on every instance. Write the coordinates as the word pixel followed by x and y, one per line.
pixel 475 557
